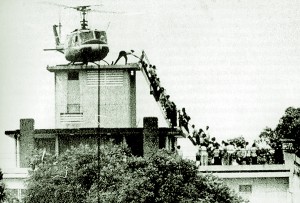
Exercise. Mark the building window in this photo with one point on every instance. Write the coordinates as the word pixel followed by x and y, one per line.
pixel 73 93
pixel 107 78
pixel 73 108
pixel 245 188
pixel 73 75
pixel 47 144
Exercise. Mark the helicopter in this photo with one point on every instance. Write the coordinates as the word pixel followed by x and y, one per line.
pixel 84 44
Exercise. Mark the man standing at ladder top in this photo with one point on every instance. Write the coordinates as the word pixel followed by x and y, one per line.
pixel 207 133
pixel 124 54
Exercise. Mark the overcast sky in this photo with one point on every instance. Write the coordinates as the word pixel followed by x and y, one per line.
pixel 234 65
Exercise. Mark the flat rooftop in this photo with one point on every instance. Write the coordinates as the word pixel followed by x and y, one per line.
pixel 129 66
pixel 95 131
pixel 247 171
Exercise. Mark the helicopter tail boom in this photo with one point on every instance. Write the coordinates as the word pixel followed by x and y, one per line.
pixel 61 50
pixel 59 46
pixel 57 39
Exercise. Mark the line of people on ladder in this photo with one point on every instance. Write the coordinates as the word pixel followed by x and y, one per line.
pixel 160 95
pixel 159 92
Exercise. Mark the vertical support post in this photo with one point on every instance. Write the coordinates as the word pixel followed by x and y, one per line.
pixel 150 135
pixel 288 151
pixel 132 98
pixel 17 145
pixel 56 145
pixel 98 137
pixel 26 141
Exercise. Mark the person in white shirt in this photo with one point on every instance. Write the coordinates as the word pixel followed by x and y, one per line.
pixel 194 131
pixel 248 153
pixel 179 151
pixel 207 132
pixel 230 150
pixel 203 155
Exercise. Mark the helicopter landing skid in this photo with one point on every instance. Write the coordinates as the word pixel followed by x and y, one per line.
pixel 98 64
pixel 83 63
pixel 65 64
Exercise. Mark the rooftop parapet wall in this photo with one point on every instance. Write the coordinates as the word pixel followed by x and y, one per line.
pixel 247 171
pixel 142 141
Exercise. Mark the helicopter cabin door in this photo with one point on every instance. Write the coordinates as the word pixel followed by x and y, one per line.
pixel 75 40
pixel 101 36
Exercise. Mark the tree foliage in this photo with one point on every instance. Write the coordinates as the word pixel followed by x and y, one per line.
pixel 288 127
pixel 2 187
pixel 164 177
pixel 238 141
pixel 289 124
pixel 268 134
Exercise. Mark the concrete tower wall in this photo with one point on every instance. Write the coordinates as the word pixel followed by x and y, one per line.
pixel 76 98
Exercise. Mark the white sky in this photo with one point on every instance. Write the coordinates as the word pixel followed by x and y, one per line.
pixel 232 64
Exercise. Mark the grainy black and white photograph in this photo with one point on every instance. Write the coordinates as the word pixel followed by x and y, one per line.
pixel 150 101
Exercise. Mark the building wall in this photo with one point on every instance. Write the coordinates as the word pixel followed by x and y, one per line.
pixel 295 185
pixel 266 190
pixel 117 98
pixel 15 181
pixel 26 141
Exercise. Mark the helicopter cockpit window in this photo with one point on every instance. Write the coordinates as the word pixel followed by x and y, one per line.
pixel 101 35
pixel 85 36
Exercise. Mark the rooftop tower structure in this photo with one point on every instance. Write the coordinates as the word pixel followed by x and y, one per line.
pixel 89 96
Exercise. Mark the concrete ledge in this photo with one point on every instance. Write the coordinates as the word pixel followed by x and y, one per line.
pixel 131 66
pixel 38 133
pixel 247 171
pixel 15 178
pixel 15 173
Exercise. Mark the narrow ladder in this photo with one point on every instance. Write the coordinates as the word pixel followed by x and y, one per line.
pixel 145 73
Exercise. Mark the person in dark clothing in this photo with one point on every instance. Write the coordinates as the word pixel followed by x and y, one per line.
pixel 186 120
pixel 144 65
pixel 152 72
pixel 173 114
pixel 167 106
pixel 164 99
pixel 198 135
pixel 217 155
pixel 156 88
pixel 123 54
pixel 180 118
pixel 253 152
pixel 278 154
pixel 159 92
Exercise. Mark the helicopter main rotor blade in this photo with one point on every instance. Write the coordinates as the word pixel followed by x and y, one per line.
pixel 55 4
pixel 84 8
pixel 118 12
pixel 111 12
pixel 79 8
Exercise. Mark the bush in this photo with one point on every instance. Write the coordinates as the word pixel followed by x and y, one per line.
pixel 163 177
pixel 2 187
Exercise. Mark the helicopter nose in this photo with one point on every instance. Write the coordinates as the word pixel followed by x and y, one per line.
pixel 86 52
pixel 105 50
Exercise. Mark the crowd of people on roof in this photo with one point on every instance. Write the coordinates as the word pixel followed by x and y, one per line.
pixel 211 152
